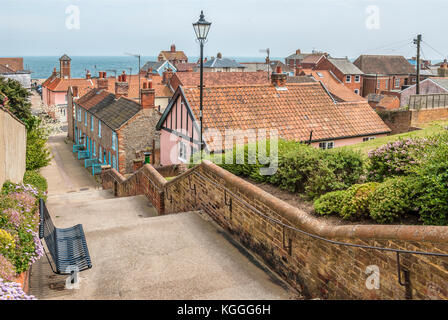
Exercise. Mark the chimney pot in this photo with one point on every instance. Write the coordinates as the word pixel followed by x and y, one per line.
pixel 147 96
pixel 173 48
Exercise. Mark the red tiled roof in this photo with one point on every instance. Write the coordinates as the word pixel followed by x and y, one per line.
pixel 5 69
pixel 384 64
pixel 56 84
pixel 312 58
pixel 191 79
pixel 294 112
pixel 184 67
pixel 337 89
pixel 92 98
pixel 176 55
pixel 16 64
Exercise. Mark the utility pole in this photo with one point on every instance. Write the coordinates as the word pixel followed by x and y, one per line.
pixel 417 42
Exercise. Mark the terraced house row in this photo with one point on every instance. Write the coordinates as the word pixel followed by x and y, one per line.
pixel 112 129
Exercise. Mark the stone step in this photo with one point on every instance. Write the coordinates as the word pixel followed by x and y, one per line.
pixel 101 214
pixel 80 196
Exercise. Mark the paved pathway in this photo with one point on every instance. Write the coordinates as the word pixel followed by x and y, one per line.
pixel 139 255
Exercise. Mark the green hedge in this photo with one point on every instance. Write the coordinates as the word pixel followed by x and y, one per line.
pixel 301 168
pixel 34 178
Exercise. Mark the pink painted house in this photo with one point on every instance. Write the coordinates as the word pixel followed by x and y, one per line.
pixel 301 112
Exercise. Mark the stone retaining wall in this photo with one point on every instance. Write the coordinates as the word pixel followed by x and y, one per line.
pixel 315 267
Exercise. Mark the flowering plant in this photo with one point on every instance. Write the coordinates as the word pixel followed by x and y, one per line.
pixel 12 291
pixel 19 224
pixel 396 158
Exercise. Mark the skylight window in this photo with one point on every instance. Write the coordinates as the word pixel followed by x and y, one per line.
pixel 320 74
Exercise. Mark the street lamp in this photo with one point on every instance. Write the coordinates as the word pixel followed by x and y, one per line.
pixel 201 28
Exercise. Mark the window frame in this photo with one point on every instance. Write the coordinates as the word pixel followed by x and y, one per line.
pixel 182 151
pixel 326 145
pixel 365 139
pixel 357 78
pixel 99 128
pixel 348 78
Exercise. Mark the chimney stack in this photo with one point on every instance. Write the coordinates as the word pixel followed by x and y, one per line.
pixel 121 86
pixel 443 70
pixel 278 78
pixel 102 82
pixel 173 48
pixel 88 75
pixel 299 70
pixel 167 74
pixel 298 51
pixel 147 95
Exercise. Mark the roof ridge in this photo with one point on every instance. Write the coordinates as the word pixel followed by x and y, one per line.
pixel 252 85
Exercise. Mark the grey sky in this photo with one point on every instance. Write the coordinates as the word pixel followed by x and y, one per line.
pixel 239 27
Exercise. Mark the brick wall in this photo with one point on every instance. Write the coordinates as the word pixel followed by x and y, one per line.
pixel 315 267
pixel 400 121
pixel 428 115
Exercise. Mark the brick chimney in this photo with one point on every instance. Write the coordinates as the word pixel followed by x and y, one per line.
pixel 167 75
pixel 443 69
pixel 299 70
pixel 278 78
pixel 147 95
pixel 102 82
pixel 298 51
pixel 173 48
pixel 219 55
pixel 88 75
pixel 121 86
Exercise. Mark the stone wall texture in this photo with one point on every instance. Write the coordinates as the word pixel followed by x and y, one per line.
pixel 276 233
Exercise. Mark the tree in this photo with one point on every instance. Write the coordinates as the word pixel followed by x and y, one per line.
pixel 17 98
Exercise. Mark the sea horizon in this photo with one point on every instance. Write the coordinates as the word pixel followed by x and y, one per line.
pixel 41 67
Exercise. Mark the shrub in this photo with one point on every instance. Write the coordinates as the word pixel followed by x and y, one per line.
pixel 396 158
pixel 357 198
pixel 7 271
pixel 393 199
pixel 433 176
pixel 330 203
pixel 34 178
pixel 37 153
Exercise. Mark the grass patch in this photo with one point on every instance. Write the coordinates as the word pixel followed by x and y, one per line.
pixel 427 130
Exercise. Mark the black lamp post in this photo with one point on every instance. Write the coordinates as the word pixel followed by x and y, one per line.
pixel 201 28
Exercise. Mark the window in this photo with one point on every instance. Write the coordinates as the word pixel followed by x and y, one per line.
pixel 348 79
pixel 326 145
pixel 114 164
pixel 182 152
pixel 91 123
pixel 356 91
pixel 358 78
pixel 100 154
pixel 378 83
pixel 85 118
pixel 387 83
pixel 114 141
pixel 397 83
pixel 99 128
pixel 367 139
pixel 79 114
pixel 94 148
